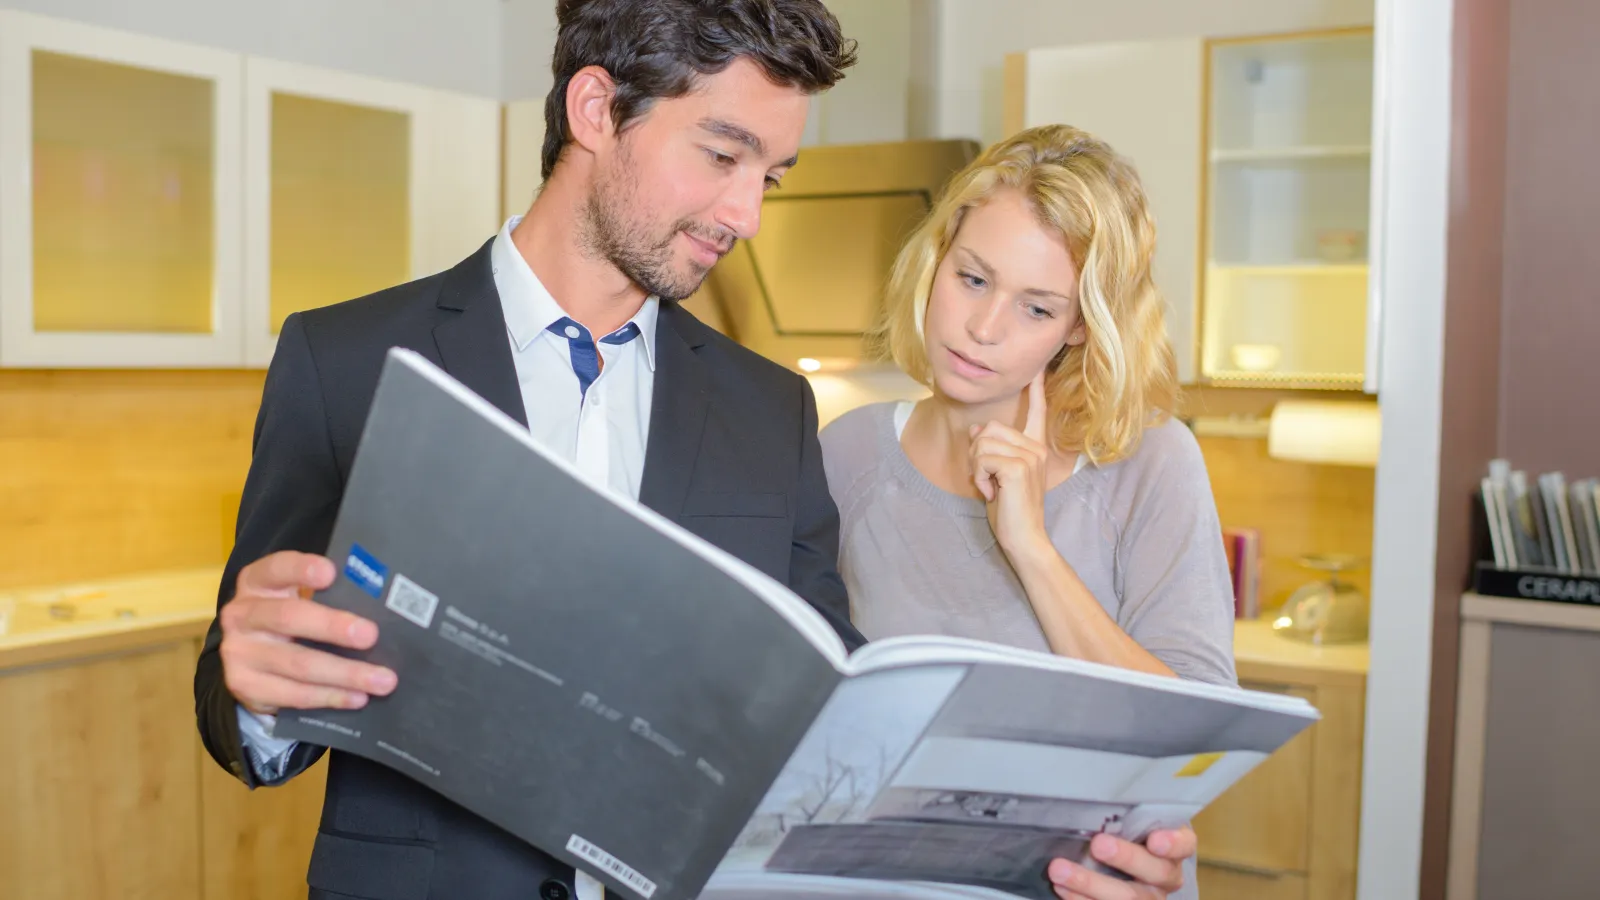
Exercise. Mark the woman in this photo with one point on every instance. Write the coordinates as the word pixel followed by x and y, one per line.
pixel 1043 496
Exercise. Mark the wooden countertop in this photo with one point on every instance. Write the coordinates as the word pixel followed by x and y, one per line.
pixel 1262 654
pixel 178 605
pixel 118 615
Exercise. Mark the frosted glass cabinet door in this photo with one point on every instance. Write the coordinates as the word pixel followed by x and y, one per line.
pixel 119 198
pixel 350 182
pixel 1284 300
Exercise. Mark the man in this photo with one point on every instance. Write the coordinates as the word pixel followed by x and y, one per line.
pixel 668 121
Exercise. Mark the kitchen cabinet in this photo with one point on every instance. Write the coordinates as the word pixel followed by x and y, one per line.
pixel 1289 829
pixel 120 198
pixel 1287 187
pixel 100 768
pixel 356 184
pixel 106 790
pixel 167 205
pixel 1145 100
pixel 1256 158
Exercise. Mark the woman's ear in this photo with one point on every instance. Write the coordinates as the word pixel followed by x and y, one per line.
pixel 1077 335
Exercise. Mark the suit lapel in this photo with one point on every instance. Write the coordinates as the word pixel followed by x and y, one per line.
pixel 678 405
pixel 472 340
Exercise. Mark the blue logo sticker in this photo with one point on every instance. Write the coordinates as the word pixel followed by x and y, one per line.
pixel 364 569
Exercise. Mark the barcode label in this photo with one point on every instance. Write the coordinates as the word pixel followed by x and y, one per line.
pixel 613 866
pixel 411 601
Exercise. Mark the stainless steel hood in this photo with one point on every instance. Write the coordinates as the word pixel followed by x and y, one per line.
pixel 811 282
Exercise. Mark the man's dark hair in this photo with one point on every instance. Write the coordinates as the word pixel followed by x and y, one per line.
pixel 657 49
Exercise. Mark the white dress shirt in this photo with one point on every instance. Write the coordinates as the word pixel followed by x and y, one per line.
pixel 602 431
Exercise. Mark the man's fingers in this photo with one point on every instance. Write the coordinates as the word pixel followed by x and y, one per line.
pixel 1035 427
pixel 307 619
pixel 285 572
pixel 310 666
pixel 1137 862
pixel 267 694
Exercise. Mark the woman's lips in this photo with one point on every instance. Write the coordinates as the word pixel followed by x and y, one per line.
pixel 967 366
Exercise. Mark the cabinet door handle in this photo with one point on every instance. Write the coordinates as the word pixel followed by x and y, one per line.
pixel 1242 868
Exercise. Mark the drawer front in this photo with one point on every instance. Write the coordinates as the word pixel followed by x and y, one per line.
pixel 1263 823
pixel 1218 883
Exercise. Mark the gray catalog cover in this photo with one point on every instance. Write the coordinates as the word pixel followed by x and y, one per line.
pixel 677 724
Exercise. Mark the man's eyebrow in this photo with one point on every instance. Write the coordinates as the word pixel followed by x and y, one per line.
pixel 741 135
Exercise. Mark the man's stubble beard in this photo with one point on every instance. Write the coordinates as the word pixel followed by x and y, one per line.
pixel 609 233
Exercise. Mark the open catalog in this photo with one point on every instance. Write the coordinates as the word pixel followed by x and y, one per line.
pixel 633 700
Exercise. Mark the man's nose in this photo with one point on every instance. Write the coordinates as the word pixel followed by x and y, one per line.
pixel 741 208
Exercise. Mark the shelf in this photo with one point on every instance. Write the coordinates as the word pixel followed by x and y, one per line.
pixel 1289 154
pixel 1333 381
pixel 1308 269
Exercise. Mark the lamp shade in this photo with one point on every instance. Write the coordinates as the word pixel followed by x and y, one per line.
pixel 1334 432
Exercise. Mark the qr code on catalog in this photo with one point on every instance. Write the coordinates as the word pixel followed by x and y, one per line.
pixel 410 600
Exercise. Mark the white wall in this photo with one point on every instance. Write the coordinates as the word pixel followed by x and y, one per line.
pixel 448 44
pixel 974 37
pixel 527 39
pixel 873 102
pixel 1414 98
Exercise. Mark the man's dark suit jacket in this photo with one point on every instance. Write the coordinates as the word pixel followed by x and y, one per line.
pixel 732 455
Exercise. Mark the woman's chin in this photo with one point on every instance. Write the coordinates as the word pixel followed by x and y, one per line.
pixel 965 391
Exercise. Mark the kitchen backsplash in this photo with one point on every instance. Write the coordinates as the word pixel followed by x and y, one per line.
pixel 1299 508
pixel 103 473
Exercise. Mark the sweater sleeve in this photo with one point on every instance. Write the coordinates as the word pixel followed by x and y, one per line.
pixel 1177 596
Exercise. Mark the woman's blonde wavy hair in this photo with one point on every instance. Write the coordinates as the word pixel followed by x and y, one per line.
pixel 1102 393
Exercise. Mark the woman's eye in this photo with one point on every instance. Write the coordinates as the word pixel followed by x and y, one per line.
pixel 1039 312
pixel 973 281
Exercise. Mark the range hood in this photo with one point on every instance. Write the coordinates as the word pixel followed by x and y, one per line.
pixel 811 283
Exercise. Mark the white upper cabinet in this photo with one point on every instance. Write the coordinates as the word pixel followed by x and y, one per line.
pixel 167 205
pixel 355 185
pixel 120 198
pixel 1145 100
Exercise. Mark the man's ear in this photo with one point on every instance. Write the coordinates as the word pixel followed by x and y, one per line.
pixel 589 96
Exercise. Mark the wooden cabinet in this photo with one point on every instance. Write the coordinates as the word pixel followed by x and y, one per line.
pixel 1255 156
pixel 1264 823
pixel 100 778
pixel 108 794
pixel 1289 829
pixel 166 205
pixel 1239 884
